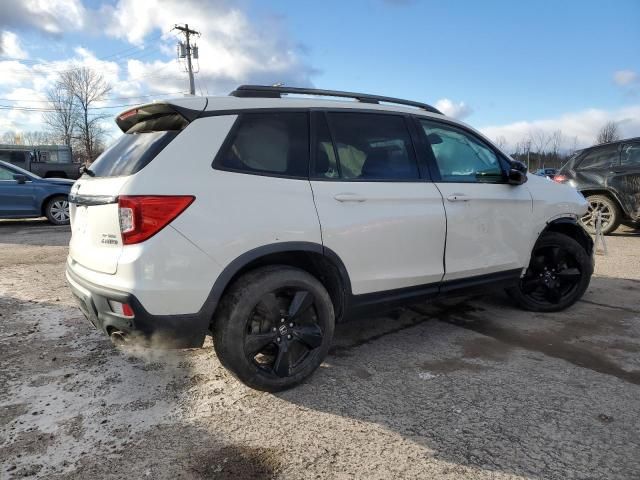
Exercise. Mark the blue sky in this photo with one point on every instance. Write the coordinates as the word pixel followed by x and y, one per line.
pixel 509 68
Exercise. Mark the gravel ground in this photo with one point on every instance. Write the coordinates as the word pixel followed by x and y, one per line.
pixel 470 388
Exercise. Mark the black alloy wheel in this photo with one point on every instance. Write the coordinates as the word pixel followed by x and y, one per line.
pixel 552 275
pixel 274 327
pixel 283 332
pixel 558 274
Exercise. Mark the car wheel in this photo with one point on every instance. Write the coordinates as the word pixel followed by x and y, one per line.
pixel 274 327
pixel 609 211
pixel 57 210
pixel 557 277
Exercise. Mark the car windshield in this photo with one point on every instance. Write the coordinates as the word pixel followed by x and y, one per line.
pixel 19 170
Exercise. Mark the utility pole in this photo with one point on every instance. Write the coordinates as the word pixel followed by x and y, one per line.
pixel 186 50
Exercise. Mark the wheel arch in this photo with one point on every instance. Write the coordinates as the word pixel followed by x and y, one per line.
pixel 321 262
pixel 46 199
pixel 607 193
pixel 569 226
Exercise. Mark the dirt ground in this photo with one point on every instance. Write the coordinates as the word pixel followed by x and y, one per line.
pixel 470 388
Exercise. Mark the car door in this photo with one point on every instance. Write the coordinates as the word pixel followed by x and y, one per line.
pixel 625 178
pixel 377 211
pixel 489 222
pixel 16 198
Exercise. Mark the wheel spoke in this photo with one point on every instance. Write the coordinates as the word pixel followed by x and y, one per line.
pixel 255 342
pixel 301 302
pixel 309 335
pixel 282 364
pixel 552 295
pixel 557 256
pixel 537 263
pixel 570 274
pixel 530 284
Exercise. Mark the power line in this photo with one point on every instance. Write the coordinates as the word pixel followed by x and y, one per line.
pixel 106 99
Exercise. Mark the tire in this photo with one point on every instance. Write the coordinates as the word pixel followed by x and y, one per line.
pixel 557 277
pixel 57 210
pixel 611 214
pixel 274 327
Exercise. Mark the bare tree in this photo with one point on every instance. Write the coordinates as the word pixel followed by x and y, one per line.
pixel 37 138
pixel 65 115
pixel 608 133
pixel 501 142
pixel 87 87
pixel 555 143
pixel 8 138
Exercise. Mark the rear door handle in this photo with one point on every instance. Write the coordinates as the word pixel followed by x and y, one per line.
pixel 349 197
pixel 458 197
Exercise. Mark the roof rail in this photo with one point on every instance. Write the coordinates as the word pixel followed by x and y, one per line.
pixel 263 91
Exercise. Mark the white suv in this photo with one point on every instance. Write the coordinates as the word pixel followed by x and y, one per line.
pixel 264 220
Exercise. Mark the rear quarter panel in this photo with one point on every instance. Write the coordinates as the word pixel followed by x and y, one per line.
pixel 233 212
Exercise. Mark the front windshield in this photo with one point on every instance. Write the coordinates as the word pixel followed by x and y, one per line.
pixel 19 170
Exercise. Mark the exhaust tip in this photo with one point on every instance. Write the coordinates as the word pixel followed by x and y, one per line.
pixel 118 338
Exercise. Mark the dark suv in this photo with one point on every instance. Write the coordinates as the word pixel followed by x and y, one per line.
pixel 608 175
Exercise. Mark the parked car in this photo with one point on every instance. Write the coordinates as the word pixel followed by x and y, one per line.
pixel 25 195
pixel 47 161
pixel 608 175
pixel 546 172
pixel 265 220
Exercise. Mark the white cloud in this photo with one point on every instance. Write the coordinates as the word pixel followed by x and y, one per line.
pixel 48 16
pixel 626 77
pixel 232 48
pixel 450 108
pixel 10 46
pixel 580 128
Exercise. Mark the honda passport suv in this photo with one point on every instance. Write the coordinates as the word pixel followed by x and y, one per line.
pixel 264 220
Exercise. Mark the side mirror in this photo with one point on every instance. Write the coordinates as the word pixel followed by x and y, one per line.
pixel 516 177
pixel 18 177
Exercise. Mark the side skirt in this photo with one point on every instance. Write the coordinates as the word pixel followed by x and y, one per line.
pixel 361 305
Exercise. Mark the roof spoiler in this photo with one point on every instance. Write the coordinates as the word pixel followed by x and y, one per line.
pixel 141 117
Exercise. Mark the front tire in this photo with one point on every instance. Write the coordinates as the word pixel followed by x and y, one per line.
pixel 57 210
pixel 557 277
pixel 274 327
pixel 609 211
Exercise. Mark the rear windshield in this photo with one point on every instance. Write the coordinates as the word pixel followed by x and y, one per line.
pixel 131 153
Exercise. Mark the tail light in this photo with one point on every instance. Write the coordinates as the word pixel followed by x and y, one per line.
pixel 560 178
pixel 141 217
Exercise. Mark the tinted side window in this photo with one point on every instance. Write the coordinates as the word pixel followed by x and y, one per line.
pixel 268 143
pixel 631 155
pixel 599 158
pixel 5 173
pixel 460 156
pixel 373 147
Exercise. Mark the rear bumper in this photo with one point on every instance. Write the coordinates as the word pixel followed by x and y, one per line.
pixel 160 331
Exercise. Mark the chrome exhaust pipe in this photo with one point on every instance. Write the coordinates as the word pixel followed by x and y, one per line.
pixel 118 338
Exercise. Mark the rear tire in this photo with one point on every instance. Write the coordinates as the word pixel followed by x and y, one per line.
pixel 611 214
pixel 57 210
pixel 274 327
pixel 557 277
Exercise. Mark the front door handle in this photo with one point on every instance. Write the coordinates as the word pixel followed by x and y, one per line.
pixel 458 197
pixel 349 197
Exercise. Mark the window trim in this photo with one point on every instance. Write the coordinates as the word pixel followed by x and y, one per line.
pixel 228 141
pixel 431 158
pixel 423 174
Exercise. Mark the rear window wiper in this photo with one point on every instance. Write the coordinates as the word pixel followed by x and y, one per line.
pixel 88 171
